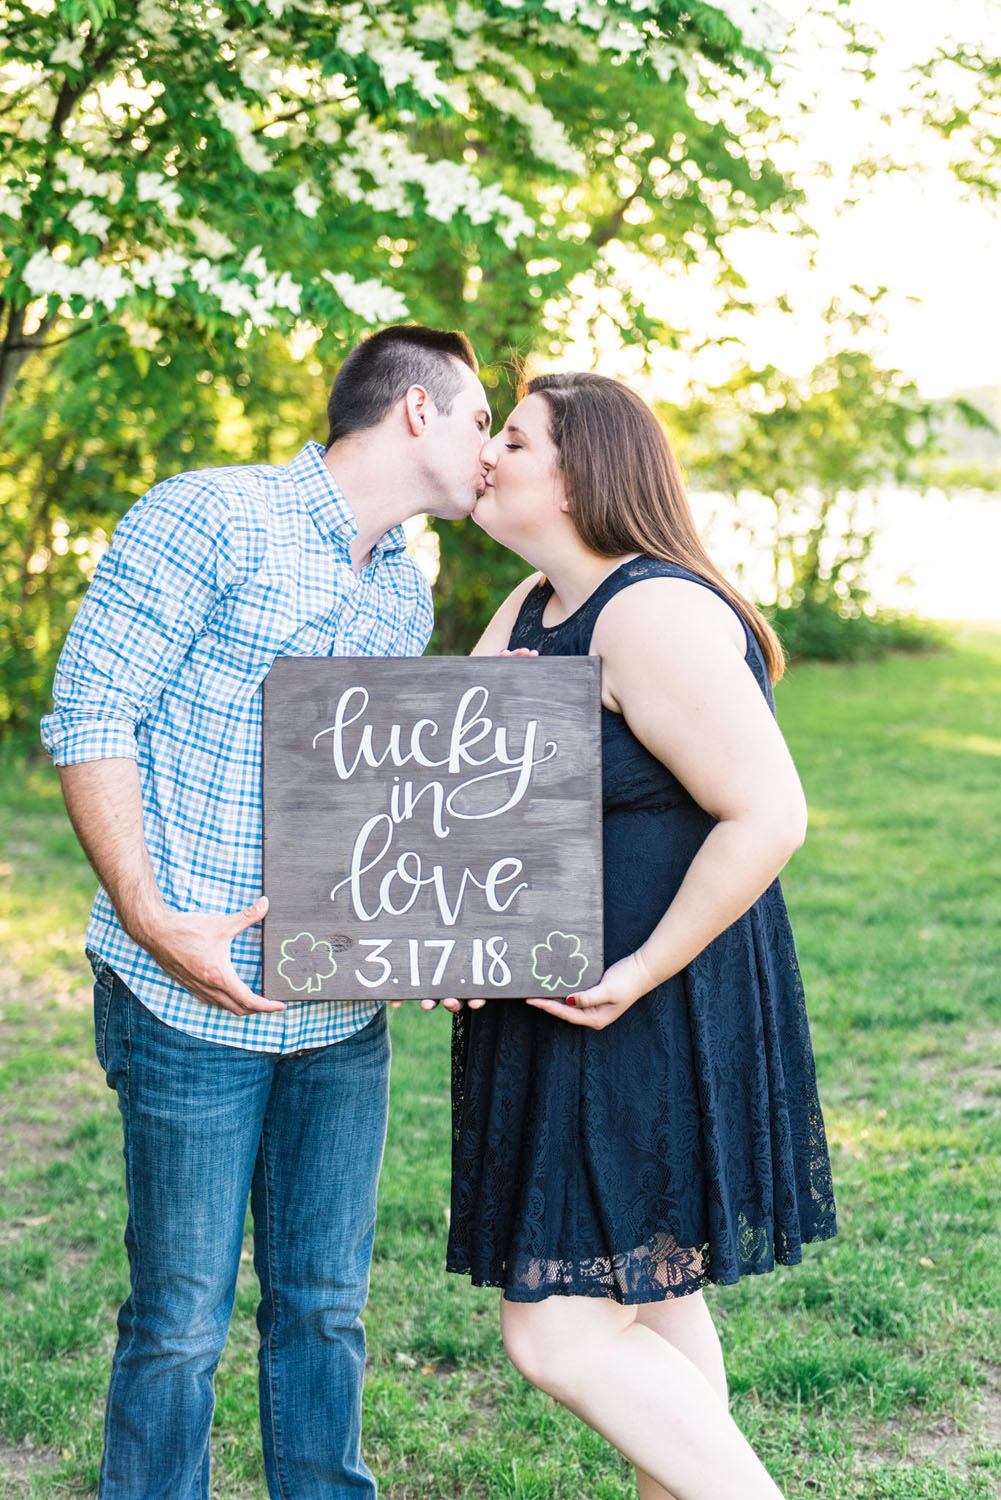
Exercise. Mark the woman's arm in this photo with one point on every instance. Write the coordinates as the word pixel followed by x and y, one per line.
pixel 673 664
pixel 497 634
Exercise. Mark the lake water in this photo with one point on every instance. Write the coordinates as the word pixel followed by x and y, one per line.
pixel 935 555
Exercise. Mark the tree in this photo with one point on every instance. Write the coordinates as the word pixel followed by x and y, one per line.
pixel 241 166
pixel 960 94
pixel 87 437
pixel 814 453
pixel 185 184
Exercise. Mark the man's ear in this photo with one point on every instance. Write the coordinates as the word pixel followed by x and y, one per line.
pixel 418 407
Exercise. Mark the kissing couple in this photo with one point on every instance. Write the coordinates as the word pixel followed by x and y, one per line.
pixel 613 1152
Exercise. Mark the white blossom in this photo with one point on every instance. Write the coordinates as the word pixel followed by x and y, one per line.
pixel 545 132
pixel 68 53
pixel 162 270
pixel 668 59
pixel 353 31
pixel 153 185
pixel 449 187
pixel 154 18
pixel 238 299
pixel 32 128
pixel 507 65
pixel 432 26
pixel 280 291
pixel 238 121
pixel 327 130
pixel 210 242
pixel 306 202
pixel 87 219
pixel 406 65
pixel 140 334
pixel 761 25
pixel 11 203
pixel 97 282
pixel 206 276
pixel 82 178
pixel 254 265
pixel 257 73
pixel 371 300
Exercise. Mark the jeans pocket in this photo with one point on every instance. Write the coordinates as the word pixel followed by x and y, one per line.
pixel 104 984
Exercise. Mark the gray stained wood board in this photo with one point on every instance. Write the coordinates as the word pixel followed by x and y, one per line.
pixel 432 827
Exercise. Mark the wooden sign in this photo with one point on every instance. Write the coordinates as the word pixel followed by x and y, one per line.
pixel 432 827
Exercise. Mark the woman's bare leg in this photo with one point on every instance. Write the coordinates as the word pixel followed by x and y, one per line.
pixel 686 1323
pixel 637 1390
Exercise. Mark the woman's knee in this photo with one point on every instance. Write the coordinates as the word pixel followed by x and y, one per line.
pixel 525 1345
pixel 557 1347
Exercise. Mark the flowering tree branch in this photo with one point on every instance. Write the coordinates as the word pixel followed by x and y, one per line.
pixel 152 151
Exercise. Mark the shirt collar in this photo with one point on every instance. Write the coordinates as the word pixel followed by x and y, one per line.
pixel 334 518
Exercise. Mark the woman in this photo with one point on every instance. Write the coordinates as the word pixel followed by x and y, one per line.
pixel 615 1151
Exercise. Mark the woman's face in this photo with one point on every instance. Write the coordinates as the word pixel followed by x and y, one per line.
pixel 523 495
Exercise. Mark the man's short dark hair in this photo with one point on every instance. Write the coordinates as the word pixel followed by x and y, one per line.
pixel 381 369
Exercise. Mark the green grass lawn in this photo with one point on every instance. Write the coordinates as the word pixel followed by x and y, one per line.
pixel 871 1372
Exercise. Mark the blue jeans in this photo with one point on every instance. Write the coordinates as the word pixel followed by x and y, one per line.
pixel 205 1126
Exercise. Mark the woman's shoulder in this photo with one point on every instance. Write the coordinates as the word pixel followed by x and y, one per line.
pixel 657 601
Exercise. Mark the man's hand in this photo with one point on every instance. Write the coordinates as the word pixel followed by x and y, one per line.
pixel 194 947
pixel 105 808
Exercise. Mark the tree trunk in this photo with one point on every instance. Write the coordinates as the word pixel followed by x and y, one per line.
pixel 12 354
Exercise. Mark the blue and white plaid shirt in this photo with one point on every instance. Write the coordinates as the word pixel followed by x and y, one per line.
pixel 209 577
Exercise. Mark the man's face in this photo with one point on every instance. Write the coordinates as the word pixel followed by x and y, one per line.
pixel 452 455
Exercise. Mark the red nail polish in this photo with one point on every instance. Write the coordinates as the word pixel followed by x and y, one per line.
pixel 571 999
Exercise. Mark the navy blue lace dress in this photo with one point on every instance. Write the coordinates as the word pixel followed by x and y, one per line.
pixel 682 1144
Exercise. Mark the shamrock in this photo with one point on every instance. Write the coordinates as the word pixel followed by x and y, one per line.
pixel 558 963
pixel 306 963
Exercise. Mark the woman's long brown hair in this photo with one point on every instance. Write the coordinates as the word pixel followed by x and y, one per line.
pixel 624 487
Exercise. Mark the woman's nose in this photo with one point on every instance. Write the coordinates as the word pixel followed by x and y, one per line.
pixel 488 453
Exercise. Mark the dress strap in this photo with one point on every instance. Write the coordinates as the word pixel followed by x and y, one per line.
pixel 572 636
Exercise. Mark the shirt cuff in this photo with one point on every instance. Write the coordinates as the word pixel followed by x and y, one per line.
pixel 70 744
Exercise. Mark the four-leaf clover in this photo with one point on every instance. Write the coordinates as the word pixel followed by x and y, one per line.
pixel 306 963
pixel 559 962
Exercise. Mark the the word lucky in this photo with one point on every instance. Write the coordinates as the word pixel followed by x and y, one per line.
pixel 471 742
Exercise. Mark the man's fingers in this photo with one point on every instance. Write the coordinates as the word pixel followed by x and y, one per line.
pixel 259 1003
pixel 248 915
pixel 235 995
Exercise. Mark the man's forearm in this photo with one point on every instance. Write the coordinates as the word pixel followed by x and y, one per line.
pixel 104 803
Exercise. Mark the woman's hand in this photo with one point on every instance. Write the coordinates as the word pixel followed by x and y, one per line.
pixel 617 989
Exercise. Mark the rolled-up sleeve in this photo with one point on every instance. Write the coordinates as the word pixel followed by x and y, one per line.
pixel 170 559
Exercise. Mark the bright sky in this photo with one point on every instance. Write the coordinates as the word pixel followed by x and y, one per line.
pixel 932 242
pixel 920 233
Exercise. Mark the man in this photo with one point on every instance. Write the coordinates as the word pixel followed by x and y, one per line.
pixel 224 1093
